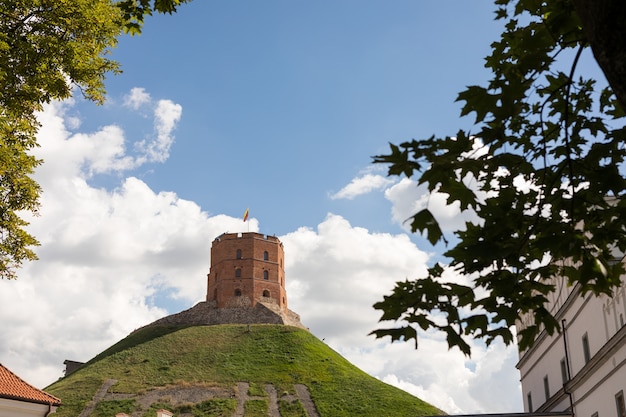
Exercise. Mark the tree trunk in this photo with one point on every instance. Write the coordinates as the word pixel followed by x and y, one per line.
pixel 604 24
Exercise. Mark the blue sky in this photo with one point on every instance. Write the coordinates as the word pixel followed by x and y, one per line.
pixel 275 106
pixel 285 102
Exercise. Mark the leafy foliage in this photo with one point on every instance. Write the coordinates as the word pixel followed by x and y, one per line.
pixel 543 172
pixel 134 11
pixel 47 48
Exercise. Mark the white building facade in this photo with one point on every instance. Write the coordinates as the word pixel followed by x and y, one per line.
pixel 582 369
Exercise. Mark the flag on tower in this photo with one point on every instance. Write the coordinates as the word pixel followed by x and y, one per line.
pixel 245 216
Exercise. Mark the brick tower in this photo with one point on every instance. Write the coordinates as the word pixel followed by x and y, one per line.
pixel 245 285
pixel 246 268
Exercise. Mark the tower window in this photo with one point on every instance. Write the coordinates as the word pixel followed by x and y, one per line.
pixel 546 387
pixel 586 350
pixel 238 272
pixel 563 371
pixel 529 398
pixel 266 256
pixel 266 275
pixel 237 292
pixel 238 253
pixel 266 293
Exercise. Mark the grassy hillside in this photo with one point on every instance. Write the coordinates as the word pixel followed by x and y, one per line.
pixel 215 359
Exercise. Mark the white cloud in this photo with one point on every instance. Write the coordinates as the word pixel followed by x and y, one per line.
pixel 166 116
pixel 104 151
pixel 136 98
pixel 451 381
pixel 340 269
pixel 362 185
pixel 408 198
pixel 106 255
pixel 82 154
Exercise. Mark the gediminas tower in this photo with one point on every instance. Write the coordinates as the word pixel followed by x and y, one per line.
pixel 246 268
pixel 245 285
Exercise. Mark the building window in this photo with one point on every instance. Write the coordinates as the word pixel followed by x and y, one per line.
pixel 215 294
pixel 237 292
pixel 546 387
pixel 529 397
pixel 586 351
pixel 619 403
pixel 238 273
pixel 563 371
pixel 238 253
pixel 621 320
pixel 266 275
pixel 266 293
pixel 266 256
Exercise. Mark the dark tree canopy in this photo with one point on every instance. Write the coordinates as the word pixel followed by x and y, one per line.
pixel 134 11
pixel 47 47
pixel 546 184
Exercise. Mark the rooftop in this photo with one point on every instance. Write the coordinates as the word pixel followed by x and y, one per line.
pixel 12 387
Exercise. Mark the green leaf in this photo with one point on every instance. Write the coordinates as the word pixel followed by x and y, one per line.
pixel 425 222
pixel 454 339
pixel 404 333
pixel 477 100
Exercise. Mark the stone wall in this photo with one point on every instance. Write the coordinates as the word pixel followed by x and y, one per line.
pixel 207 313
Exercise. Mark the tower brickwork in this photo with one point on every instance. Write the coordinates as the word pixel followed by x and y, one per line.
pixel 246 268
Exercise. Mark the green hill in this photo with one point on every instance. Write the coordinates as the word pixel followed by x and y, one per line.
pixel 212 370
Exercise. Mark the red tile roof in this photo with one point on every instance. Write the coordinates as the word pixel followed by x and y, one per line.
pixel 14 388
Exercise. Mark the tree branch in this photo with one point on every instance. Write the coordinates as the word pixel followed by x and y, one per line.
pixel 604 25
